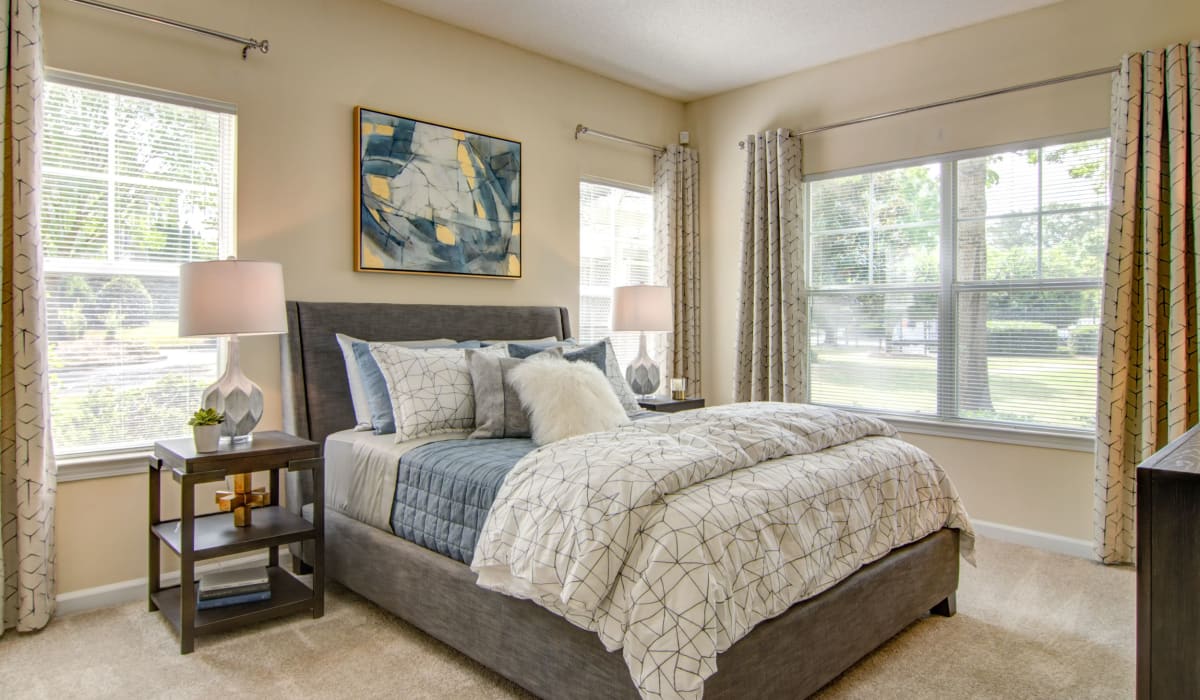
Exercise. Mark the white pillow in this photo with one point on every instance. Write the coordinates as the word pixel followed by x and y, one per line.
pixel 358 392
pixel 430 389
pixel 565 399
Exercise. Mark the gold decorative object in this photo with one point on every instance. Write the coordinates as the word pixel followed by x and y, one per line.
pixel 241 499
pixel 678 388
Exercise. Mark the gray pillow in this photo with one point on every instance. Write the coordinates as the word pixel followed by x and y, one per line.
pixel 498 409
pixel 596 353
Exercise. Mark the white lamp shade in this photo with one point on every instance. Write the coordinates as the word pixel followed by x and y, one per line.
pixel 642 307
pixel 231 297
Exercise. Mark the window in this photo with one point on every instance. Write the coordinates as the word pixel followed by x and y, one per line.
pixel 965 288
pixel 132 186
pixel 616 248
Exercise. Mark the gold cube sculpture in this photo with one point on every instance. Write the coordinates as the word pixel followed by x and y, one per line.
pixel 241 499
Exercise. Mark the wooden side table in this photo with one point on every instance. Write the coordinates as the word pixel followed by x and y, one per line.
pixel 670 405
pixel 199 537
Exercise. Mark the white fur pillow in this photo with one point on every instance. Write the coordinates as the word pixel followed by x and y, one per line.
pixel 565 399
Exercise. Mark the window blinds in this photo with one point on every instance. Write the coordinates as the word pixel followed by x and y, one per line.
pixel 983 310
pixel 131 188
pixel 616 248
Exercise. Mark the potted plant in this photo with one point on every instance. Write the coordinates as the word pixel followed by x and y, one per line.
pixel 206 429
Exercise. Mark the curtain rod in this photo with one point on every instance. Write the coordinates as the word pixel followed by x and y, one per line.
pixel 247 44
pixel 956 100
pixel 581 129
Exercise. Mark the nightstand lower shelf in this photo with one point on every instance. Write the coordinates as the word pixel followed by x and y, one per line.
pixel 288 595
pixel 216 536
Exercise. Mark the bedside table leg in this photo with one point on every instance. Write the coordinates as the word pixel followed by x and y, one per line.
pixel 152 576
pixel 187 570
pixel 319 541
pixel 273 499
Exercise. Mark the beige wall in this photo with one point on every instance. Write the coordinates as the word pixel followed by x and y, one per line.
pixel 295 174
pixel 295 168
pixel 1039 489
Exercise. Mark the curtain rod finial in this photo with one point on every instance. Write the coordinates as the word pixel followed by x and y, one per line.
pixel 580 129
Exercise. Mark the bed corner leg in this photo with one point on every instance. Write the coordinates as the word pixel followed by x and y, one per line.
pixel 947 607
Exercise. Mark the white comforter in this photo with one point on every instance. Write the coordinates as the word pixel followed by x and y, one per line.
pixel 674 536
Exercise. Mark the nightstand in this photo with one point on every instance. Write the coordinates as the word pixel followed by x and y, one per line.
pixel 670 405
pixel 199 537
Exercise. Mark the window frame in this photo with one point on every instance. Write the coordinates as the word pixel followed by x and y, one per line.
pixel 946 422
pixel 104 463
pixel 654 344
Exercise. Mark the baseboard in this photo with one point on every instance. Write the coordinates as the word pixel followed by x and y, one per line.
pixel 132 590
pixel 1035 538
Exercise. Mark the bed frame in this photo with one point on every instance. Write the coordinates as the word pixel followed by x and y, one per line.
pixel 790 656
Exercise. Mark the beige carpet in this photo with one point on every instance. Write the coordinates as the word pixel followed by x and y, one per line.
pixel 1029 625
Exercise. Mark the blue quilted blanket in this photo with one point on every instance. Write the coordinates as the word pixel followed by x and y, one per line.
pixel 445 489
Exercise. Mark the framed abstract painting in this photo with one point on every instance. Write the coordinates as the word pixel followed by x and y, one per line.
pixel 432 199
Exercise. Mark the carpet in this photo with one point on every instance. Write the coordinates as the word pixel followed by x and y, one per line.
pixel 1030 624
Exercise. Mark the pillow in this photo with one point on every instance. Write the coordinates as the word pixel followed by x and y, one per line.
pixel 358 396
pixel 612 369
pixel 545 342
pixel 498 410
pixel 379 401
pixel 565 399
pixel 430 389
pixel 594 353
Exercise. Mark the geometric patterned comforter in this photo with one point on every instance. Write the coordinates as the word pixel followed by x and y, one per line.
pixel 672 537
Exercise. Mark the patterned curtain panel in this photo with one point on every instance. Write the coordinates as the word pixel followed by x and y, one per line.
pixel 772 315
pixel 1148 369
pixel 677 241
pixel 27 472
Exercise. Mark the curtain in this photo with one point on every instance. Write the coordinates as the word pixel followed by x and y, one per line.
pixel 1148 383
pixel 772 314
pixel 27 472
pixel 677 241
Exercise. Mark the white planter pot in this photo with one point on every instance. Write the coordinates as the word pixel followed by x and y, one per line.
pixel 207 437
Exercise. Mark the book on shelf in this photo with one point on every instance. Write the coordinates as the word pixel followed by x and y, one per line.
pixel 226 601
pixel 233 579
pixel 240 590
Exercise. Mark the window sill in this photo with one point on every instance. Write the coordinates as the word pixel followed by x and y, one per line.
pixel 1072 441
pixel 103 466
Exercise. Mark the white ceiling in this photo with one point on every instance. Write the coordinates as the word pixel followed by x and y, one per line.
pixel 686 49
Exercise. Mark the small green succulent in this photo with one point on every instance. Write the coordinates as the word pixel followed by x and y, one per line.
pixel 206 416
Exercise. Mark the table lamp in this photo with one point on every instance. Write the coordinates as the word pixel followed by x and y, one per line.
pixel 645 308
pixel 232 298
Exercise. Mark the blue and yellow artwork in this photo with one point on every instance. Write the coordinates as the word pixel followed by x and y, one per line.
pixel 433 199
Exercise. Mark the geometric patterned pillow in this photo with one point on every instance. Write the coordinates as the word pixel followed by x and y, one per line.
pixel 430 389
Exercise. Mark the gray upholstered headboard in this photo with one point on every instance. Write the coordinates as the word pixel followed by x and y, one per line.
pixel 316 396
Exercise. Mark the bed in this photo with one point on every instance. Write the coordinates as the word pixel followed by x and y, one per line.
pixel 792 655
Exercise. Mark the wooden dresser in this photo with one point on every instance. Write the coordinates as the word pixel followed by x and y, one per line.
pixel 1168 572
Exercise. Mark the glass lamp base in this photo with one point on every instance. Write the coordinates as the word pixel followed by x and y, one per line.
pixel 234 395
pixel 643 374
